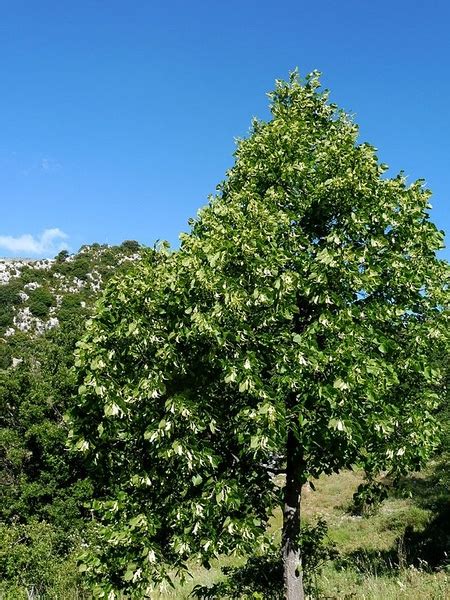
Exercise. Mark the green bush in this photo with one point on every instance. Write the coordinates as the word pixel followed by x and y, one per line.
pixel 130 246
pixel 9 293
pixel 9 297
pixel 30 275
pixel 109 257
pixel 25 552
pixel 79 267
pixel 40 301
pixel 6 316
pixel 41 479
pixel 62 256
pixel 71 308
pixel 368 498
pixel 5 355
pixel 30 565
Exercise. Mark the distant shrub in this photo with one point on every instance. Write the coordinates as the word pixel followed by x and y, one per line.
pixel 9 293
pixel 5 355
pixel 62 256
pixel 368 498
pixel 9 297
pixel 6 317
pixel 30 275
pixel 130 246
pixel 70 302
pixel 79 267
pixel 40 301
pixel 30 565
pixel 71 307
pixel 109 257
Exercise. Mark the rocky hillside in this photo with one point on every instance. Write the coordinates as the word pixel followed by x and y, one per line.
pixel 36 294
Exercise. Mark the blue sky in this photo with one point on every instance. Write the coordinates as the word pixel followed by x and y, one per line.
pixel 118 119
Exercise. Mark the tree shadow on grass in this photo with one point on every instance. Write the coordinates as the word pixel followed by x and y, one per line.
pixel 432 544
pixel 424 547
pixel 424 550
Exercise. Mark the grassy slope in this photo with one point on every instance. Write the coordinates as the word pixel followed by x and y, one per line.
pixel 374 545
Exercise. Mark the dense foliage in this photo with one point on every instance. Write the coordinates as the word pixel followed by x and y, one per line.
pixel 40 478
pixel 291 332
pixel 45 491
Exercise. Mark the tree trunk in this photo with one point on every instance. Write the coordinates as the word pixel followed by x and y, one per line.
pixel 292 558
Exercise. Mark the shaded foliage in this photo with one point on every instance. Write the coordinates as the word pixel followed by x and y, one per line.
pixel 368 497
pixel 40 479
pixel 40 300
pixel 9 297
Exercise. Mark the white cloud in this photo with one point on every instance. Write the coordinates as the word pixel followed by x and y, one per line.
pixel 49 164
pixel 48 243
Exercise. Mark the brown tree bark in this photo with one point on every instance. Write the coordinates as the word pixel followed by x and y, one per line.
pixel 291 550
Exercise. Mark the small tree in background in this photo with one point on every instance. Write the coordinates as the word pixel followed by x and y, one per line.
pixel 130 245
pixel 40 301
pixel 290 333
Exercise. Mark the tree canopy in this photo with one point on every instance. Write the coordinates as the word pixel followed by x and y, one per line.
pixel 291 332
